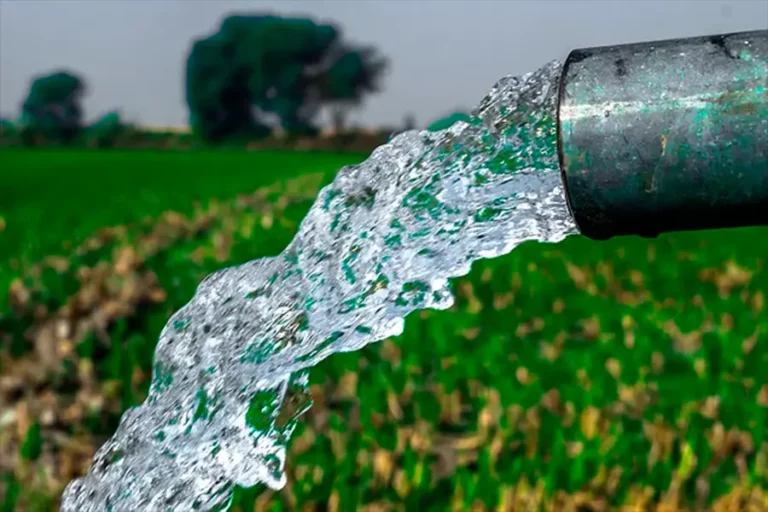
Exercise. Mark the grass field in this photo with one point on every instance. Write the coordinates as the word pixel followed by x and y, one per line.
pixel 50 196
pixel 577 376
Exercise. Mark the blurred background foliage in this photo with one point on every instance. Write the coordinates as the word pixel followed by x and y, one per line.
pixel 53 107
pixel 288 67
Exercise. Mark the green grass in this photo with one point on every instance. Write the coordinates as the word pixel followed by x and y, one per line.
pixel 603 337
pixel 52 196
pixel 591 370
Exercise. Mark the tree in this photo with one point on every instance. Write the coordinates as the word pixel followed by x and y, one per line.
pixel 53 106
pixel 105 131
pixel 355 73
pixel 256 65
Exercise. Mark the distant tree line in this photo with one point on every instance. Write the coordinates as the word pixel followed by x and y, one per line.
pixel 53 111
pixel 256 73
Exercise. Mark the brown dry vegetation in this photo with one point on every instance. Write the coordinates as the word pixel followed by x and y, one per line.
pixel 564 379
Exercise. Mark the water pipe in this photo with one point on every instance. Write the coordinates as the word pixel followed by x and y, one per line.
pixel 666 136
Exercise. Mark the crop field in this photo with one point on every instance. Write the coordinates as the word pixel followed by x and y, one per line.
pixel 580 376
pixel 55 196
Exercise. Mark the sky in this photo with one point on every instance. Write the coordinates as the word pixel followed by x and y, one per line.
pixel 445 54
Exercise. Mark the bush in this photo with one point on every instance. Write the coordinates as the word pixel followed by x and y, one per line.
pixel 105 132
pixel 7 127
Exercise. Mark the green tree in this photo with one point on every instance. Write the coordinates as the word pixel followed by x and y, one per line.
pixel 53 106
pixel 105 131
pixel 260 65
pixel 355 73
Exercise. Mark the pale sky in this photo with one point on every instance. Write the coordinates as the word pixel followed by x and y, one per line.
pixel 444 53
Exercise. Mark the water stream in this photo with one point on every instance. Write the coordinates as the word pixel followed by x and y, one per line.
pixel 230 375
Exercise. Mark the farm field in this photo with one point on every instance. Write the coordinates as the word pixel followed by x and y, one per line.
pixel 51 196
pixel 573 376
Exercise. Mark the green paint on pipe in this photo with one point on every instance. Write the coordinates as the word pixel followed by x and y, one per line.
pixel 666 136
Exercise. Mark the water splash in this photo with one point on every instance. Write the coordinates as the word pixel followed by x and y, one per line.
pixel 230 375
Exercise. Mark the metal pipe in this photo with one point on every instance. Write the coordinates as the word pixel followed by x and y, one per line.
pixel 666 136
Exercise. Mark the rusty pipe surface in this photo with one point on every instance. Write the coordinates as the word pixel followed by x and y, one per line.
pixel 666 136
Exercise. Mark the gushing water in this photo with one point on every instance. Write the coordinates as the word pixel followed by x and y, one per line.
pixel 230 374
